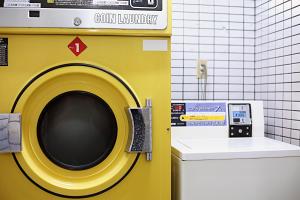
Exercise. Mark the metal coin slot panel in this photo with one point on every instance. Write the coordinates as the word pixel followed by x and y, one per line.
pixel 240 131
pixel 240 120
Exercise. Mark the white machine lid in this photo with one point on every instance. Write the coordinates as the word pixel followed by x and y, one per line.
pixel 231 148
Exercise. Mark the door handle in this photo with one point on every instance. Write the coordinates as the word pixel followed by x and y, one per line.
pixel 10 133
pixel 140 137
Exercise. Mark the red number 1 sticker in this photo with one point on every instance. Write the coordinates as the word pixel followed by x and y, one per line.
pixel 77 46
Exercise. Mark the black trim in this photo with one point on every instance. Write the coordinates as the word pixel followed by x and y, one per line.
pixel 22 92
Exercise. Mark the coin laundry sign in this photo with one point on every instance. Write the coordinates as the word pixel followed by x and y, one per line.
pixel 113 18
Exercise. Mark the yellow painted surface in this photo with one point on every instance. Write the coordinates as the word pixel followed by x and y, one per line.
pixel 146 73
pixel 202 117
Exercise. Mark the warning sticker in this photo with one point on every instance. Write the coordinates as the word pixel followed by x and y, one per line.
pixel 3 51
pixel 199 114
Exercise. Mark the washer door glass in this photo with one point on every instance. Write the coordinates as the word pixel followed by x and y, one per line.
pixel 77 130
pixel 76 126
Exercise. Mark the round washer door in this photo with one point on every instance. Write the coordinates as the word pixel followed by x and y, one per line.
pixel 75 130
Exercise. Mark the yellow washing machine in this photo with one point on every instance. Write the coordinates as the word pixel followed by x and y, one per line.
pixel 85 99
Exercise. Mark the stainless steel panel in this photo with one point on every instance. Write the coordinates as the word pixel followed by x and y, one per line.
pixel 89 18
pixel 10 133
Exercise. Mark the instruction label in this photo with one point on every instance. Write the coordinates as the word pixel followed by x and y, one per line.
pixel 3 51
pixel 198 114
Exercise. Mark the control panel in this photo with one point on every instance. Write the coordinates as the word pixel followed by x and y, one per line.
pixel 240 120
pixel 108 14
pixel 143 3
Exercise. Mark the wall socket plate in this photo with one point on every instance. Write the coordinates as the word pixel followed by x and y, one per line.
pixel 202 69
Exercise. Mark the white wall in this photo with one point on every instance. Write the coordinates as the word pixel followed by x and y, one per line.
pixel 278 67
pixel 221 31
pixel 253 49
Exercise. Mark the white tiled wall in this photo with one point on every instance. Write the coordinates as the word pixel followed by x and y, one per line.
pixel 253 52
pixel 278 67
pixel 222 32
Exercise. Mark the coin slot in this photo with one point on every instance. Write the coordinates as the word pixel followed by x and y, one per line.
pixel 34 13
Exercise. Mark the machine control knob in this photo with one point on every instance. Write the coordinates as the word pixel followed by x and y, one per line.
pixel 77 21
pixel 240 130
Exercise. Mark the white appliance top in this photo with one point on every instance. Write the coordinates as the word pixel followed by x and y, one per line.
pixel 231 148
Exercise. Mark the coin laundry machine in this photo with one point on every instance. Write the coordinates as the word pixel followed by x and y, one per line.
pixel 81 113
pixel 219 152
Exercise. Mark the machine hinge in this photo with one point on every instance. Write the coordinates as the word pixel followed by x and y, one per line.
pixel 10 133
pixel 140 138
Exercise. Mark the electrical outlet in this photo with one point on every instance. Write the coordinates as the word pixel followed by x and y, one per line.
pixel 202 69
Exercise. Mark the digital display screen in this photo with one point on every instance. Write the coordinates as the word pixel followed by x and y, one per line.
pixel 239 114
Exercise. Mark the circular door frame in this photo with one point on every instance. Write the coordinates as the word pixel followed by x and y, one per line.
pixel 44 73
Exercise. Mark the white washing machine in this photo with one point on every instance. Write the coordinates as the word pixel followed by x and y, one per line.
pixel 219 152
